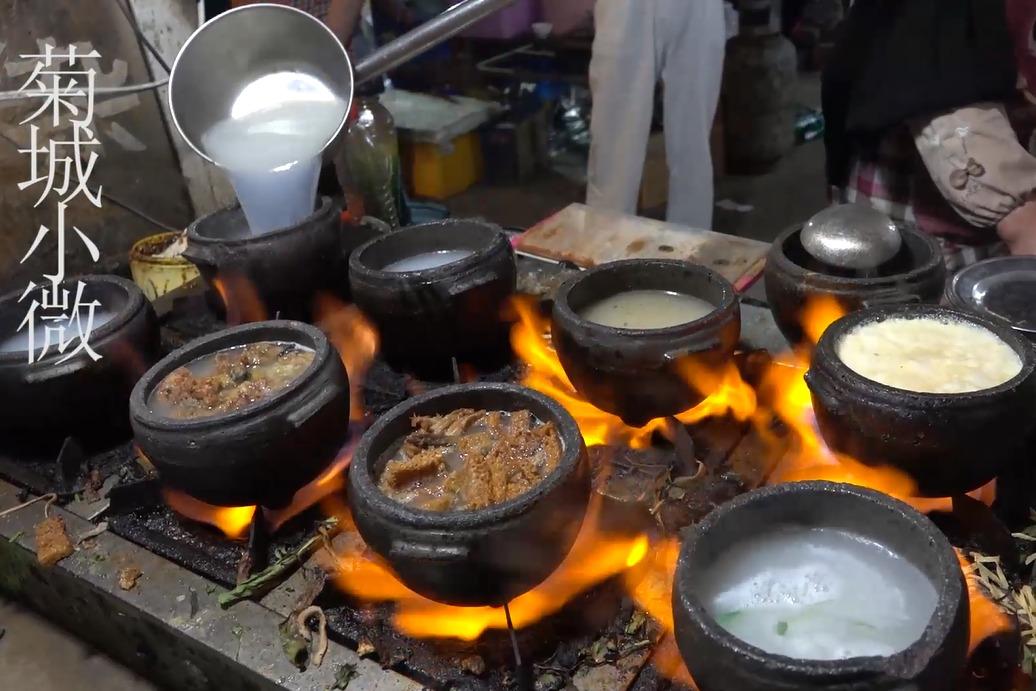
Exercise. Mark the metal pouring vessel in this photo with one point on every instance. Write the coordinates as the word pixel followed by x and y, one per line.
pixel 226 57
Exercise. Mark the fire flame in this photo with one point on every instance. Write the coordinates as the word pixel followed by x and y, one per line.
pixel 595 557
pixel 232 520
pixel 356 340
pixel 235 520
pixel 240 299
pixel 783 393
pixel 544 373
pixel 987 619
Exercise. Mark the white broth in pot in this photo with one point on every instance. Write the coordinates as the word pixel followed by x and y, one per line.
pixel 230 379
pixel 929 355
pixel 646 309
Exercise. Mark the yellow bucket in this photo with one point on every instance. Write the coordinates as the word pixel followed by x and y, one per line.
pixel 157 276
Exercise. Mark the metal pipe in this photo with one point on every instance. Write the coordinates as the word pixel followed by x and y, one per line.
pixel 428 35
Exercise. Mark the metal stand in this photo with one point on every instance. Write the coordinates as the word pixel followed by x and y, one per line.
pixel 257 557
pixel 523 672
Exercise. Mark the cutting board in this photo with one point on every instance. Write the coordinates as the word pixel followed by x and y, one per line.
pixel 588 237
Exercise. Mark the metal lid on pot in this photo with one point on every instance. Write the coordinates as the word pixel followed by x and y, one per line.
pixel 1003 288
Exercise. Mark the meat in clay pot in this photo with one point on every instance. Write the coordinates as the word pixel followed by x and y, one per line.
pixel 473 494
pixel 245 416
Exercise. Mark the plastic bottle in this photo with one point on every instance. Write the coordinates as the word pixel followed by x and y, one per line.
pixel 371 152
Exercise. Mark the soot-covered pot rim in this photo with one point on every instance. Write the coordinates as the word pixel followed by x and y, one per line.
pixel 99 335
pixel 326 205
pixel 826 353
pixel 289 331
pixel 728 299
pixel 361 468
pixel 492 233
pixel 907 662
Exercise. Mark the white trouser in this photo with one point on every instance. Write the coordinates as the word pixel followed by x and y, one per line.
pixel 637 42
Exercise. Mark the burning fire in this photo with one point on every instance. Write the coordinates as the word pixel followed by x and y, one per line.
pixel 232 520
pixel 354 337
pixel 544 373
pixel 783 393
pixel 240 299
pixel 987 619
pixel 595 557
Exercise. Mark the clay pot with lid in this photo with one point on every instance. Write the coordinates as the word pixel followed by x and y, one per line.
pixel 915 275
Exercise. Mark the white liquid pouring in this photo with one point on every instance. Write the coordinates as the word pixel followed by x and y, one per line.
pixel 271 146
pixel 819 594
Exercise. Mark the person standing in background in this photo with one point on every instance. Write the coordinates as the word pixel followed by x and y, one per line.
pixel 929 116
pixel 637 42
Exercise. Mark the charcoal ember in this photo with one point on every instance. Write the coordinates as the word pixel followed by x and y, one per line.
pixel 472 664
pixel 550 681
pixel 685 505
pixel 631 481
pixel 383 388
pixel 974 527
pixel 994 664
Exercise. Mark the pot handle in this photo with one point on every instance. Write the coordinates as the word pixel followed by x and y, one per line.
pixel 891 297
pixel 674 355
pixel 304 412
pixel 414 550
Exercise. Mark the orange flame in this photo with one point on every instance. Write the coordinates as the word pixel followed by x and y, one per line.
pixel 544 373
pixel 987 619
pixel 355 338
pixel 785 394
pixel 240 299
pixel 595 557
pixel 328 482
pixel 232 520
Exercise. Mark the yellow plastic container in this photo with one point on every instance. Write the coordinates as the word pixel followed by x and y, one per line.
pixel 435 172
pixel 157 276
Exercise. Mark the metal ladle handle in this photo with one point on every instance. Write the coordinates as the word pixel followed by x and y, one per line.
pixel 428 35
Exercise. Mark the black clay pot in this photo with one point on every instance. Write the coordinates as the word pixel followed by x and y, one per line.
pixel 948 443
pixel 283 268
pixel 426 317
pixel 43 402
pixel 259 454
pixel 720 661
pixel 468 558
pixel 642 374
pixel 916 275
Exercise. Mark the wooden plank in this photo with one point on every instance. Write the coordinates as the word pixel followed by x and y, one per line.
pixel 588 237
pixel 167 24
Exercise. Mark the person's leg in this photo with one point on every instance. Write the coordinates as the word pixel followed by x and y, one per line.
pixel 694 35
pixel 622 81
